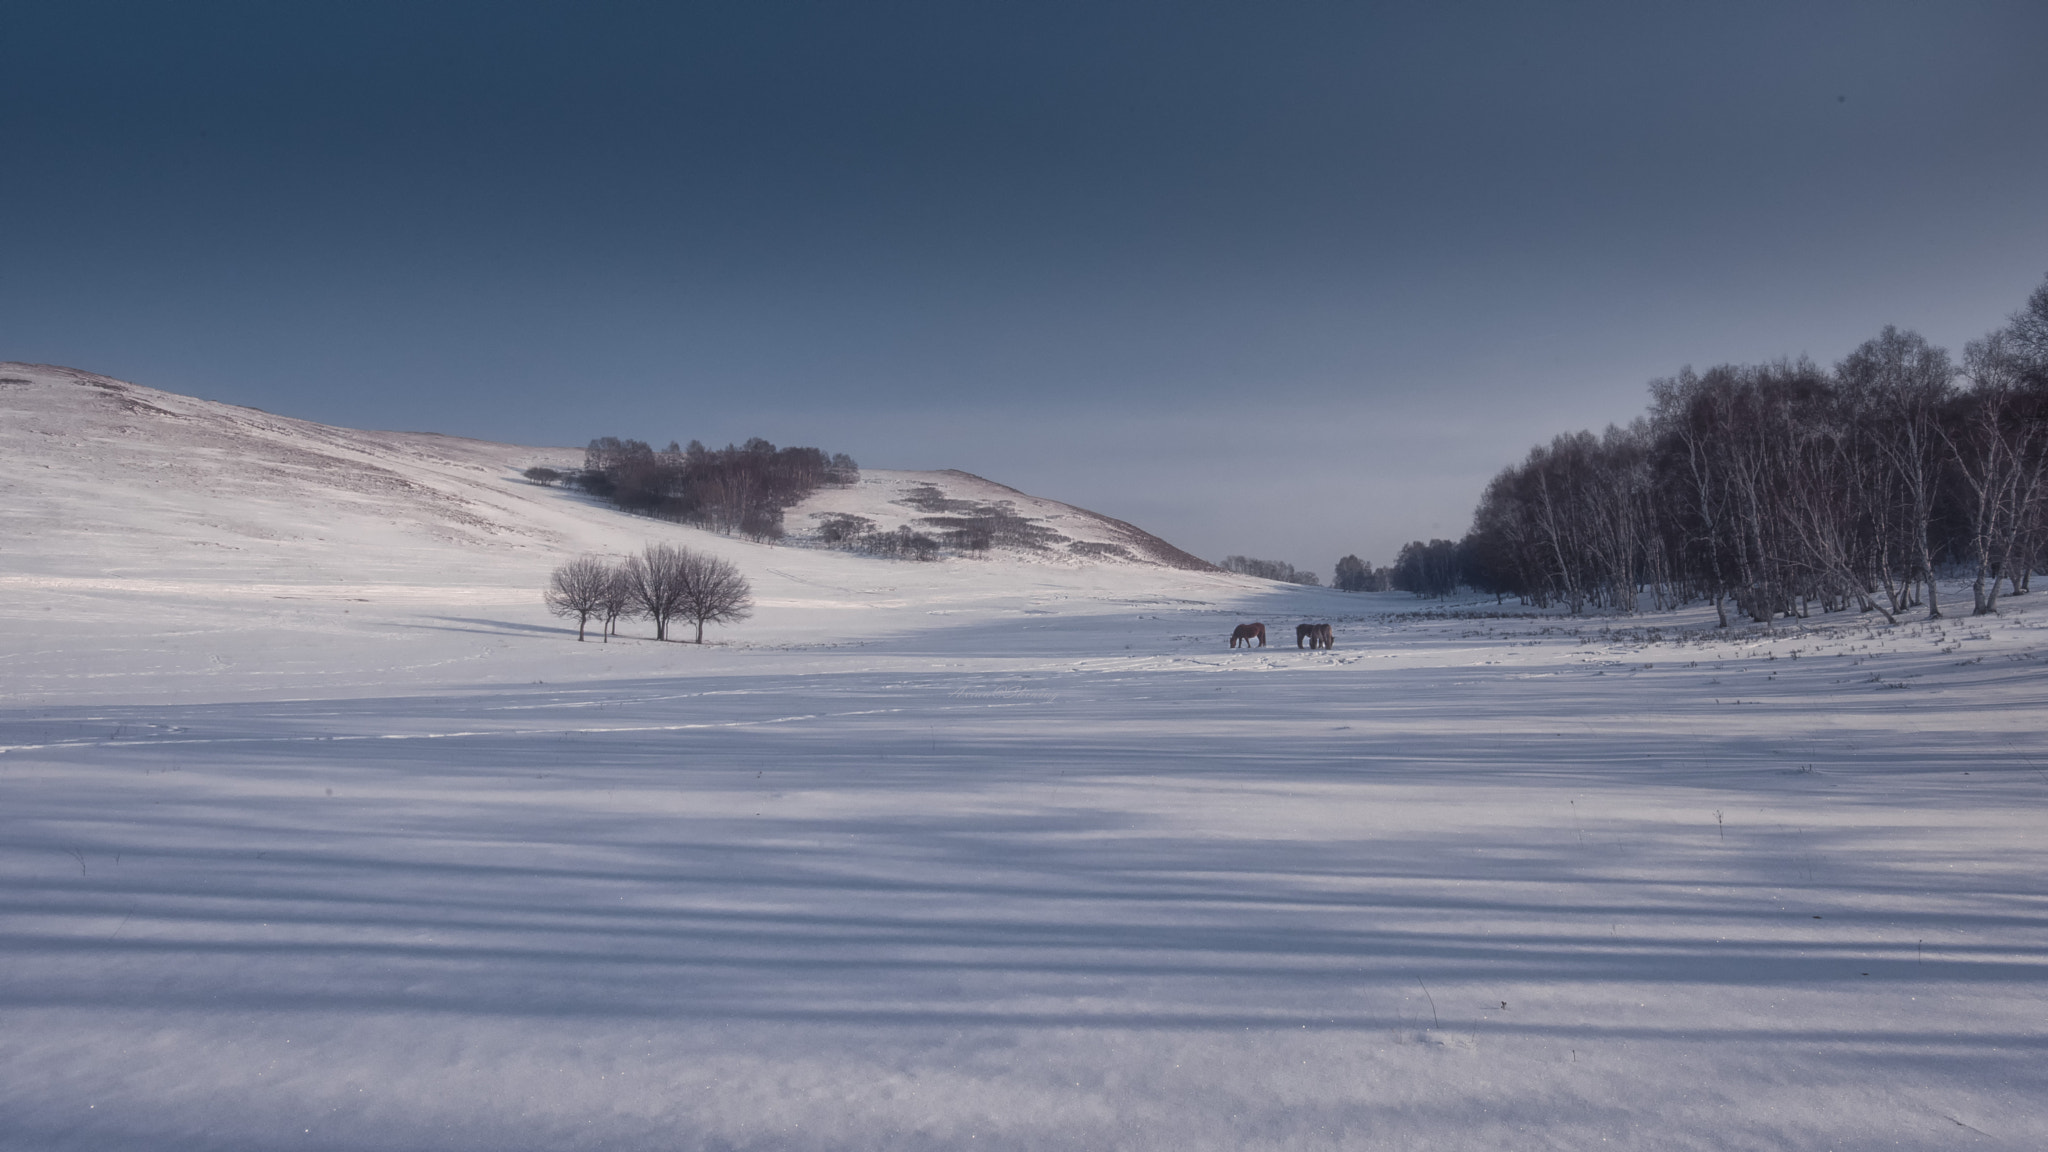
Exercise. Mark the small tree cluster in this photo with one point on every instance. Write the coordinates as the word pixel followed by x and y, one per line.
pixel 662 584
pixel 858 534
pixel 1279 570
pixel 736 489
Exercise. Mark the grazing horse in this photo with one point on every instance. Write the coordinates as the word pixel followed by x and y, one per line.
pixel 1317 635
pixel 1248 633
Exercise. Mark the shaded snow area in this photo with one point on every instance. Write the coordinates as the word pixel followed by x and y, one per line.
pixel 333 839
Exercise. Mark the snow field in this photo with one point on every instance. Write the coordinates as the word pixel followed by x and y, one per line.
pixel 909 894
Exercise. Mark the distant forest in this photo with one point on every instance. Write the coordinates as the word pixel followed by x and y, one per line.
pixel 1352 575
pixel 740 489
pixel 1279 570
pixel 1778 489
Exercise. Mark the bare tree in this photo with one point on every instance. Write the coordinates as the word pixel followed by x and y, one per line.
pixel 654 582
pixel 578 589
pixel 714 592
pixel 617 600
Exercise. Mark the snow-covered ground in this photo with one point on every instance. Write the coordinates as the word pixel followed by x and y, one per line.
pixel 317 832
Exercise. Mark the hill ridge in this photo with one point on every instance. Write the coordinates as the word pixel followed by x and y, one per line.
pixel 72 433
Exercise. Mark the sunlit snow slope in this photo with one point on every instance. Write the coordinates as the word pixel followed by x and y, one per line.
pixel 154 543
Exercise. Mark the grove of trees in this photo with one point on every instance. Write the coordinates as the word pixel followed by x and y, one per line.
pixel 742 489
pixel 1775 489
pixel 663 584
pixel 1435 568
pixel 1355 575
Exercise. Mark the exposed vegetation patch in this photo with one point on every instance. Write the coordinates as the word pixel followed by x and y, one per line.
pixel 972 526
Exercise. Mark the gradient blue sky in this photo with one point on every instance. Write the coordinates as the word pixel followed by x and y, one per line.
pixel 1290 279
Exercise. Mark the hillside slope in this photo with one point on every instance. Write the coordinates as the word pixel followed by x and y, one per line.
pixel 152 538
pixel 106 473
pixel 110 478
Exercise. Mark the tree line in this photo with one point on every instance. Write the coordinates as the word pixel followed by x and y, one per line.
pixel 663 584
pixel 1279 570
pixel 741 489
pixel 1352 575
pixel 1775 489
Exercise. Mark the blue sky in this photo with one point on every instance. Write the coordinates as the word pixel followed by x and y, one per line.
pixel 1286 279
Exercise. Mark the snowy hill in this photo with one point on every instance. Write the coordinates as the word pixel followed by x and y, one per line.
pixel 107 472
pixel 156 539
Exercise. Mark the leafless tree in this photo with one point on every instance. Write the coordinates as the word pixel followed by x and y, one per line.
pixel 617 600
pixel 654 583
pixel 713 591
pixel 578 589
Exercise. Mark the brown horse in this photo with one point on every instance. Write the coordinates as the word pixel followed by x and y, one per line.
pixel 1248 633
pixel 1317 635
